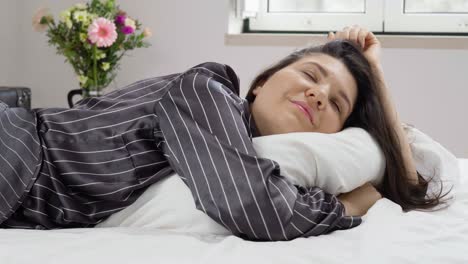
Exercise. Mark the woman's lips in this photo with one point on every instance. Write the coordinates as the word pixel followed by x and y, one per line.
pixel 305 109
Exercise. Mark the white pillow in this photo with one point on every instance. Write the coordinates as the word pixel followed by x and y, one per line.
pixel 167 204
pixel 433 160
pixel 337 163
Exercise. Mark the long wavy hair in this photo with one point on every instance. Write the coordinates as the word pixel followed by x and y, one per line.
pixel 368 114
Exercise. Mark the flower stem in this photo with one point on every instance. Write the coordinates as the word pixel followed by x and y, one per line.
pixel 95 67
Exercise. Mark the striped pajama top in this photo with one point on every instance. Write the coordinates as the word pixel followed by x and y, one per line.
pixel 65 168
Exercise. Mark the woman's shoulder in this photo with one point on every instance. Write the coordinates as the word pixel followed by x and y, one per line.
pixel 220 72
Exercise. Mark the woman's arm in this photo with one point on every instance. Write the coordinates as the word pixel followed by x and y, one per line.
pixel 372 49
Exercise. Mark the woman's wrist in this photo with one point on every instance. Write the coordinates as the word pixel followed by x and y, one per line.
pixel 348 208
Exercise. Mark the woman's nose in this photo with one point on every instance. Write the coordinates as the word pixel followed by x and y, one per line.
pixel 317 97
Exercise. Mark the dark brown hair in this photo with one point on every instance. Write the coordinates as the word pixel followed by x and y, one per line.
pixel 367 114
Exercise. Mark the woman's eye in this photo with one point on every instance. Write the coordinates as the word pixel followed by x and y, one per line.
pixel 310 76
pixel 336 105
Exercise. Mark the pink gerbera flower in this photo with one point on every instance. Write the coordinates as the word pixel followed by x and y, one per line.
pixel 102 32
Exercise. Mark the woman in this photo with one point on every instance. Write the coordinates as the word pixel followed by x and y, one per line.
pixel 95 159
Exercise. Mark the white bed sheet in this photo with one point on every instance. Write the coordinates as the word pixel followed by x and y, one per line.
pixel 386 236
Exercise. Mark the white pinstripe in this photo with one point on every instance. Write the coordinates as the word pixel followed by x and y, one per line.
pixel 284 198
pixel 11 187
pixel 133 85
pixel 34 125
pixel 124 188
pixel 53 178
pixel 90 108
pixel 98 151
pixel 250 119
pixel 308 220
pixel 170 149
pixel 243 167
pixel 194 68
pixel 8 117
pixel 183 154
pixel 97 174
pixel 133 99
pixel 9 205
pixel 315 210
pixel 39 212
pixel 129 86
pixel 100 114
pixel 252 192
pixel 102 127
pixel 235 187
pixel 60 194
pixel 209 153
pixel 14 151
pixel 235 123
pixel 203 109
pixel 123 133
pixel 16 172
pixel 293 225
pixel 271 200
pixel 22 142
pixel 50 163
pixel 219 114
pixel 104 162
pixel 132 91
pixel 60 210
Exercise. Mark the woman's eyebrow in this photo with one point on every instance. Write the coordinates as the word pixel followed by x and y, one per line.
pixel 321 69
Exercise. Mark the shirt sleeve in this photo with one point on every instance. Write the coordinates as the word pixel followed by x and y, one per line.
pixel 208 145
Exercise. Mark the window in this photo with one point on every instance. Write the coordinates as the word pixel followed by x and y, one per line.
pixel 432 16
pixel 401 16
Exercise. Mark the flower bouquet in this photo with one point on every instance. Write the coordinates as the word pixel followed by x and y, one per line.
pixel 93 37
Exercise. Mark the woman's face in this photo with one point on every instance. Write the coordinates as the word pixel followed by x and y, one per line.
pixel 319 83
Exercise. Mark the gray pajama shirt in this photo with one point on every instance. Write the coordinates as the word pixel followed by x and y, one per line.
pixel 64 168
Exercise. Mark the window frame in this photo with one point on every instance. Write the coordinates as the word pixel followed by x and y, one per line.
pixel 388 17
pixel 302 22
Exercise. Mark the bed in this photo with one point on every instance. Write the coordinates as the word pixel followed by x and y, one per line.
pixel 386 236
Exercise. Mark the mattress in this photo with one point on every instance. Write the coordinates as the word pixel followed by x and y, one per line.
pixel 387 235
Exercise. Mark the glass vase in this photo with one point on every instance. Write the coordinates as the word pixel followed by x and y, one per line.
pixel 92 92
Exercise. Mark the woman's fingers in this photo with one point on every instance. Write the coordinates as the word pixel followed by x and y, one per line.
pixel 343 34
pixel 355 33
pixel 362 37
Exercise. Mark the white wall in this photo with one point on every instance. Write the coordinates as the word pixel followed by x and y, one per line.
pixel 8 50
pixel 429 86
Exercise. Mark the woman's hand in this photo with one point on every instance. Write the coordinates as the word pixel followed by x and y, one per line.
pixel 359 200
pixel 367 40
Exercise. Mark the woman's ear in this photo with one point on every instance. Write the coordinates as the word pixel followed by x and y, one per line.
pixel 255 90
